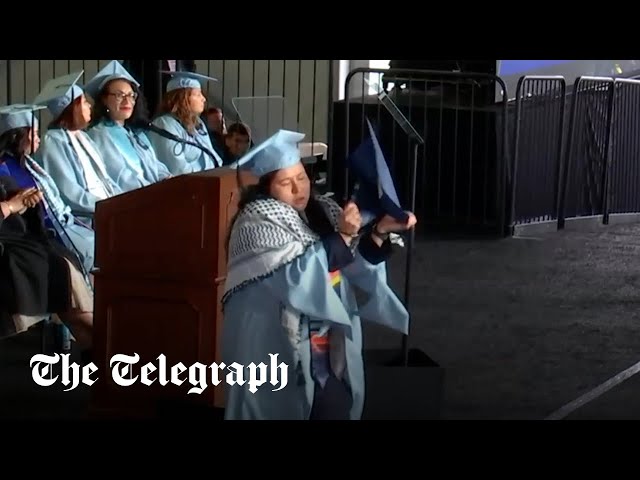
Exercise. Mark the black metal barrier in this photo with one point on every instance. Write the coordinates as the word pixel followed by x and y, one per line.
pixel 577 163
pixel 538 143
pixel 624 174
pixel 462 170
pixel 585 169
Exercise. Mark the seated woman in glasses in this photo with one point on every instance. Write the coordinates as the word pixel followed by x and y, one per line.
pixel 178 135
pixel 67 153
pixel 118 122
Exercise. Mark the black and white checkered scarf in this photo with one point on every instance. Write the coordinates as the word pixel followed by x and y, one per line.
pixel 267 235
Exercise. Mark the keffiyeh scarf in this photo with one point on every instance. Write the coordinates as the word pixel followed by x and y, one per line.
pixel 267 235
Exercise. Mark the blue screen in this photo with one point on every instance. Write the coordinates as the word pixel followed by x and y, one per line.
pixel 510 67
pixel 510 71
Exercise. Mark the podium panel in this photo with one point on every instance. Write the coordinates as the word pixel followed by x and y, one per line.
pixel 161 266
pixel 173 229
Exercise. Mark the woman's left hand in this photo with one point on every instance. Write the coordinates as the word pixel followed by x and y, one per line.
pixel 388 224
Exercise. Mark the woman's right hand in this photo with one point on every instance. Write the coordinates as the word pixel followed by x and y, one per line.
pixel 350 222
pixel 24 199
pixel 32 197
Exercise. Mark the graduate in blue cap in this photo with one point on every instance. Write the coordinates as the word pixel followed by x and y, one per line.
pixel 67 153
pixel 42 250
pixel 118 122
pixel 178 135
pixel 19 140
pixel 294 261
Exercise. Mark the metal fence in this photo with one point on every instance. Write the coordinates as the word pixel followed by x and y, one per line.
pixel 537 145
pixel 581 162
pixel 585 173
pixel 624 177
pixel 461 172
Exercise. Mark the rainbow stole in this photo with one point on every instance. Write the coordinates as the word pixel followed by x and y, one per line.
pixel 335 278
pixel 320 343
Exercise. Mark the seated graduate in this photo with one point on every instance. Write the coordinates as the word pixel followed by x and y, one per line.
pixel 216 126
pixel 67 153
pixel 38 277
pixel 178 135
pixel 118 121
pixel 18 141
pixel 294 260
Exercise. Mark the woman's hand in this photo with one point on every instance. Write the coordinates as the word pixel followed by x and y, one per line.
pixel 32 197
pixel 24 199
pixel 350 222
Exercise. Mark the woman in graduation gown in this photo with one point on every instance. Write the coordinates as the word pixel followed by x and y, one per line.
pixel 178 135
pixel 67 153
pixel 118 121
pixel 38 277
pixel 18 141
pixel 294 260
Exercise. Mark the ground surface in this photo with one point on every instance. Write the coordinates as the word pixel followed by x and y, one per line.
pixel 520 326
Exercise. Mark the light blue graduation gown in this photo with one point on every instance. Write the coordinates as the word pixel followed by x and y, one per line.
pixel 59 159
pixel 126 154
pixel 179 157
pixel 252 330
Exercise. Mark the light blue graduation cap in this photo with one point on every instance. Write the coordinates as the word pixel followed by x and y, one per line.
pixel 112 71
pixel 277 152
pixel 60 92
pixel 186 80
pixel 18 116
pixel 375 193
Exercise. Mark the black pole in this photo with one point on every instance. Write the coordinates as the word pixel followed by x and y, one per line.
pixel 410 243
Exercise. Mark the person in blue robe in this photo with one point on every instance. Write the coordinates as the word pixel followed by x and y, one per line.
pixel 118 120
pixel 295 260
pixel 18 141
pixel 178 134
pixel 67 153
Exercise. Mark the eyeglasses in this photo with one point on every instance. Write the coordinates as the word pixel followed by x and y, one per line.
pixel 121 96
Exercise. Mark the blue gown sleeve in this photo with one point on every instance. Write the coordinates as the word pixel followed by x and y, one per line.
pixel 339 254
pixel 382 305
pixel 117 167
pixel 304 285
pixel 59 160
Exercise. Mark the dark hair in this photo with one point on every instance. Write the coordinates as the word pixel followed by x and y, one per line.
pixel 139 118
pixel 317 217
pixel 240 129
pixel 14 142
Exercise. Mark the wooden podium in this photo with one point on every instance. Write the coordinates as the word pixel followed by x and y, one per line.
pixel 161 266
